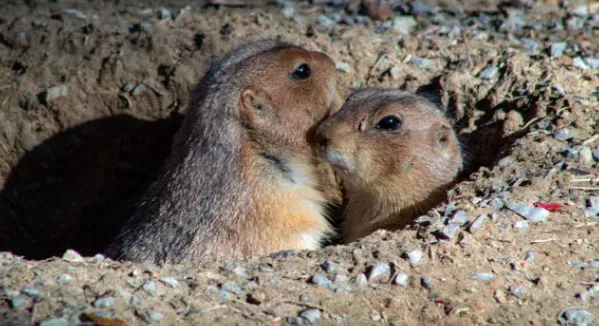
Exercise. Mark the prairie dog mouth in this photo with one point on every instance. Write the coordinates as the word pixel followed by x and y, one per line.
pixel 339 161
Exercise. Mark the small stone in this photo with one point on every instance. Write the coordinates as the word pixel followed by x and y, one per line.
pixel 134 300
pixel 154 315
pixel 576 317
pixel 426 282
pixel 581 11
pixel 422 9
pixel 414 256
pixel 483 277
pixel 340 279
pixel 293 320
pixel 577 264
pixel 497 203
pixel 150 287
pixel 104 302
pixel 288 12
pixel 596 153
pixel 75 13
pixel 401 279
pixel 579 63
pixel 256 298
pixel 521 225
pixel 592 62
pixel 478 223
pixel 55 92
pixel 532 214
pixel 448 209
pixel 225 295
pixel 556 50
pixel 55 322
pixel 448 232
pixel 240 271
pixel 585 156
pixel 395 72
pixel 594 202
pixel 530 256
pixel 378 271
pixel 518 291
pixel 163 13
pixel 459 218
pixel 361 280
pixel 404 24
pixel 170 282
pixel 343 66
pixel 64 278
pixel 17 302
pixel 505 162
pixel 325 23
pixel 181 12
pixel 127 87
pixel 31 291
pixel 489 73
pixel 231 287
pixel 563 134
pixel 138 90
pixel 421 63
pixel 331 267
pixel 311 315
pixel 72 256
pixel 322 280
pixel 590 293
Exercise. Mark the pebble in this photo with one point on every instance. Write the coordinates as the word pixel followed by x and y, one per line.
pixel 322 280
pixel 240 271
pixel 478 223
pixel 576 317
pixel 563 134
pixel 422 9
pixel 361 280
pixel 505 162
pixel 134 300
pixel 378 271
pixel 483 277
pixel 530 256
pixel 421 63
pixel 163 13
pixel 579 63
pixel 518 291
pixel 75 13
pixel 170 282
pixel 150 287
pixel 448 209
pixel 53 93
pixel 325 23
pixel 293 320
pixel 231 287
pixel 104 302
pixel 460 218
pixel 31 291
pixel 404 24
pixel 154 315
pixel 589 293
pixel 288 12
pixel 596 153
pixel 585 156
pixel 497 203
pixel 17 302
pixel 427 282
pixel 181 12
pixel 414 256
pixel 311 315
pixel 139 88
pixel 331 267
pixel 489 73
pixel 401 279
pixel 581 11
pixel 395 72
pixel 448 232
pixel 72 256
pixel 532 214
pixel 521 225
pixel 64 278
pixel 592 62
pixel 343 66
pixel 225 295
pixel 556 50
pixel 55 322
pixel 594 202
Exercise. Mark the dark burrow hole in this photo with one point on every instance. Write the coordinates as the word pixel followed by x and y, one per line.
pixel 76 189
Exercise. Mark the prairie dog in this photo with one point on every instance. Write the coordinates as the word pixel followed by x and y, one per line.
pixel 241 179
pixel 396 153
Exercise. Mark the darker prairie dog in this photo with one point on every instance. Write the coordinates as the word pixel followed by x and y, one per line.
pixel 241 179
pixel 396 153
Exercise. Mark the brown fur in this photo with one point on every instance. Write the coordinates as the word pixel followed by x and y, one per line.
pixel 241 179
pixel 389 176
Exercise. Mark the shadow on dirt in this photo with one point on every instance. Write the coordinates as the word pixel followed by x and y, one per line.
pixel 76 189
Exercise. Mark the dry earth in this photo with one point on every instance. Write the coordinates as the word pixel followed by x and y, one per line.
pixel 92 92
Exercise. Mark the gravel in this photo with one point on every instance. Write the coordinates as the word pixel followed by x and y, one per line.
pixel 154 315
pixel 72 256
pixel 459 218
pixel 576 317
pixel 401 279
pixel 404 24
pixel 414 256
pixel 483 277
pixel 478 223
pixel 104 302
pixel 532 214
pixel 331 267
pixel 231 287
pixel 530 256
pixel 322 280
pixel 489 73
pixel 54 322
pixel 150 287
pixel 421 63
pixel 173 283
pixel 448 232
pixel 426 282
pixel 556 50
pixel 361 280
pixel 17 302
pixel 378 272
pixel 580 63
pixel 311 315
pixel 563 134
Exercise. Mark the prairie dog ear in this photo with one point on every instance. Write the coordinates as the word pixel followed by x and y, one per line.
pixel 442 134
pixel 254 105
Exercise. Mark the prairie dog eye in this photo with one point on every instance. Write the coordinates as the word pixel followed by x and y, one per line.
pixel 302 72
pixel 389 123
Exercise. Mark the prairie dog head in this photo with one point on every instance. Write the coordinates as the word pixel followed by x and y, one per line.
pixel 393 150
pixel 284 93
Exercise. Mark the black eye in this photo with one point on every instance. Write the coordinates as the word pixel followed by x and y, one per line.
pixel 302 72
pixel 389 123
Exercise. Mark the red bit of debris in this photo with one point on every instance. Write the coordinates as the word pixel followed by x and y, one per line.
pixel 552 207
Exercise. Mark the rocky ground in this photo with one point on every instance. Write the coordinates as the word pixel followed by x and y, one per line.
pixel 92 92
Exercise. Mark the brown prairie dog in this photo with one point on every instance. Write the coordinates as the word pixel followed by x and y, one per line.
pixel 396 153
pixel 241 179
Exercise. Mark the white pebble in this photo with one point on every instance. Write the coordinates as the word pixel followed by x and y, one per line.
pixel 401 279
pixel 483 277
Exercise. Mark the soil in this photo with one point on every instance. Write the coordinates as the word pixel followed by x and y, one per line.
pixel 91 94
